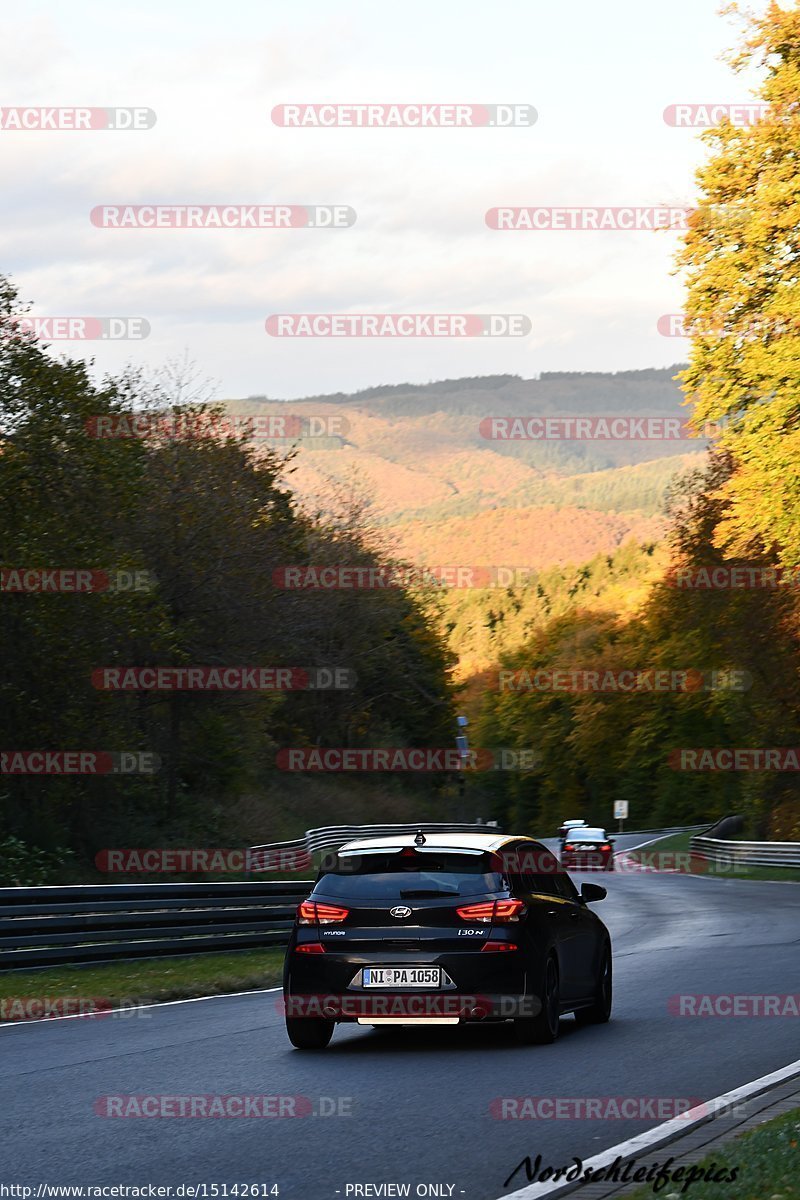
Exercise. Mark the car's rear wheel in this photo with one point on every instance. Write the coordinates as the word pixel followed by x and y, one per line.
pixel 543 1028
pixel 309 1033
pixel 599 1012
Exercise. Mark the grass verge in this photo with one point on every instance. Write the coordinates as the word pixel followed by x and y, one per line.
pixel 765 1160
pixel 147 980
pixel 677 844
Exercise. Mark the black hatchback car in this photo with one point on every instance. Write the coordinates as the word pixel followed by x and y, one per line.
pixel 442 929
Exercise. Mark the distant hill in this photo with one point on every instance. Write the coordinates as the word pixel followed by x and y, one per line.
pixel 450 495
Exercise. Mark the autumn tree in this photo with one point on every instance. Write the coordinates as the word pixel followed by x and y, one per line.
pixel 742 258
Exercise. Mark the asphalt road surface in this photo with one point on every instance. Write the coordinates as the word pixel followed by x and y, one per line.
pixel 409 1107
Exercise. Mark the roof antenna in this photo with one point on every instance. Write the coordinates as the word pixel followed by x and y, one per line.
pixel 419 840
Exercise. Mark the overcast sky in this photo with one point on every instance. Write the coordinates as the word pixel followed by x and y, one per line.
pixel 599 75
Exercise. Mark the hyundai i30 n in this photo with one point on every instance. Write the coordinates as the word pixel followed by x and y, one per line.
pixel 445 929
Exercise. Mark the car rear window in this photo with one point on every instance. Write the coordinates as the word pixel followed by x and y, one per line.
pixel 398 876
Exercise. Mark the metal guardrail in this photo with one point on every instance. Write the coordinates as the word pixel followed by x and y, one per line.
pixel 729 855
pixel 672 829
pixel 330 837
pixel 46 926
pixel 723 854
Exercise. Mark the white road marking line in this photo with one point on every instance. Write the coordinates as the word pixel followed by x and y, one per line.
pixel 136 1007
pixel 661 1135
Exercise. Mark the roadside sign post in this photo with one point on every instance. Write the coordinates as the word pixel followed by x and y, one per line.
pixel 462 745
pixel 620 812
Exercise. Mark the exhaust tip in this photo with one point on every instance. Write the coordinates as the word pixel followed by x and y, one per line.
pixel 329 1011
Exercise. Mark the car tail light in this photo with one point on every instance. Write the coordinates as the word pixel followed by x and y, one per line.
pixel 606 847
pixel 498 947
pixel 310 948
pixel 489 911
pixel 569 846
pixel 477 912
pixel 310 912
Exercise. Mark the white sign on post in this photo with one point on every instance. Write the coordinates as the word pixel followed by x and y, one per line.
pixel 620 810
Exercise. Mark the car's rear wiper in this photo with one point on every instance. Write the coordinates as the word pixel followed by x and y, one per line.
pixel 421 893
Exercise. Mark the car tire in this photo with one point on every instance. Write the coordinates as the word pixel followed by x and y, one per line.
pixel 309 1033
pixel 542 1029
pixel 600 1011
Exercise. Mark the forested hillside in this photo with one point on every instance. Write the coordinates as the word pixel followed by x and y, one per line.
pixel 738 519
pixel 445 491
pixel 593 531
pixel 203 522
pixel 727 659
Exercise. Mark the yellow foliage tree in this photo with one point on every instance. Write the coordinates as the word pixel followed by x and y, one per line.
pixel 742 254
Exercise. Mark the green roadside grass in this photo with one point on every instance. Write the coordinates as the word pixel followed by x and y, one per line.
pixel 766 1162
pixel 150 980
pixel 678 843
pixel 147 980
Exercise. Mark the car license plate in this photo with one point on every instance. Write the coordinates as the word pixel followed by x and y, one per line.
pixel 401 977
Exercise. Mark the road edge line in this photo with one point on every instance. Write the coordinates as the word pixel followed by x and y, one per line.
pixel 660 1135
pixel 136 1007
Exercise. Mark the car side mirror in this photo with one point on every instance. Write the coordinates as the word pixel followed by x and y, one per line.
pixel 591 892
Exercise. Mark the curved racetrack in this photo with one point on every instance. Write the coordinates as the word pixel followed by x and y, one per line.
pixel 419 1101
